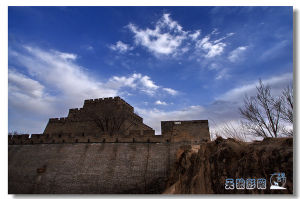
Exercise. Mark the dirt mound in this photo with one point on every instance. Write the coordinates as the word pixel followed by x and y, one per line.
pixel 203 169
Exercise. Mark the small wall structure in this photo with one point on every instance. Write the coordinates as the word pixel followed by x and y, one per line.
pixel 195 131
pixel 78 154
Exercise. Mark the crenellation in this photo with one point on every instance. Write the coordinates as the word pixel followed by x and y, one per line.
pixel 62 119
pixel 134 137
pixel 54 120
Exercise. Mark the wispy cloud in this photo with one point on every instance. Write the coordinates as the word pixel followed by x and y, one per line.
pixel 275 50
pixel 120 47
pixel 195 35
pixel 277 83
pixel 135 81
pixel 90 48
pixel 164 39
pixel 28 94
pixel 212 48
pixel 64 56
pixel 170 91
pixel 139 82
pixel 222 74
pixel 158 102
pixel 237 53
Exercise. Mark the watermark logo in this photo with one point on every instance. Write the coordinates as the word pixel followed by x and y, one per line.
pixel 277 181
pixel 240 183
pixel 250 184
pixel 229 183
pixel 261 183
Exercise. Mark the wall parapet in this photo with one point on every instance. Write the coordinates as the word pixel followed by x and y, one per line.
pixel 116 100
pixel 145 136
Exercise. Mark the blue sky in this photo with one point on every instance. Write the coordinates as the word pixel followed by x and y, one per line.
pixel 170 63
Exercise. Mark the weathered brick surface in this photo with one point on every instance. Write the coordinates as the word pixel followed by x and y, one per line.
pixel 89 167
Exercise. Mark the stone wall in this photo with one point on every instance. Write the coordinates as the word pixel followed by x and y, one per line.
pixel 90 167
pixel 191 130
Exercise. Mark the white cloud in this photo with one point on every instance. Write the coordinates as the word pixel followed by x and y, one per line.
pixel 237 53
pixel 211 48
pixel 18 82
pixel 195 35
pixel 62 74
pixel 158 102
pixel 164 39
pixel 148 83
pixel 135 81
pixel 120 47
pixel 170 91
pixel 27 93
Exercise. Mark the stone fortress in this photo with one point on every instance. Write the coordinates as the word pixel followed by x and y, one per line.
pixel 103 147
pixel 112 120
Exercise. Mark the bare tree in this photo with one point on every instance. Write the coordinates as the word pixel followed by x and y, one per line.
pixel 13 133
pixel 112 121
pixel 262 113
pixel 287 108
pixel 229 130
pixel 288 104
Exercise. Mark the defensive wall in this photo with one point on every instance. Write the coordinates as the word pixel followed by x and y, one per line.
pixel 90 168
pixel 98 162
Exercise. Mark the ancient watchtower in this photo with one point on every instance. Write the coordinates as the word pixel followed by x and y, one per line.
pixel 98 116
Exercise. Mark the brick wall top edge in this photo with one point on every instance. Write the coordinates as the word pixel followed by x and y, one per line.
pixel 37 138
pixel 186 121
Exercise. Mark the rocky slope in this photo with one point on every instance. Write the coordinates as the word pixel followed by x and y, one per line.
pixel 203 169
